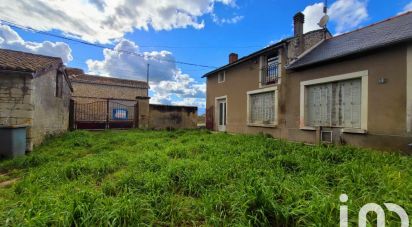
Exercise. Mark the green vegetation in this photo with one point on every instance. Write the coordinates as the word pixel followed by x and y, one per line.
pixel 196 178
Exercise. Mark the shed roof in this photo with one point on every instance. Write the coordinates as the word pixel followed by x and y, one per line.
pixel 26 62
pixel 112 81
pixel 388 32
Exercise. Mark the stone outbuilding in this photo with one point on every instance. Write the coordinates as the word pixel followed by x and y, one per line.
pixel 35 93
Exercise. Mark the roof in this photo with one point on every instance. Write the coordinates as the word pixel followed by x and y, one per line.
pixel 256 54
pixel 26 62
pixel 388 32
pixel 112 81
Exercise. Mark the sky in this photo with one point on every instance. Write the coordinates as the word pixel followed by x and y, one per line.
pixel 164 33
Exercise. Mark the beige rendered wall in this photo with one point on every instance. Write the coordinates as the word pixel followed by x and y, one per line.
pixel 386 119
pixel 15 101
pixel 239 80
pixel 176 117
pixel 50 113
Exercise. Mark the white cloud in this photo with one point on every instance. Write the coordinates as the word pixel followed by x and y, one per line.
pixel 407 8
pixel 168 83
pixel 345 14
pixel 221 21
pixel 313 14
pixel 9 39
pixel 348 14
pixel 106 20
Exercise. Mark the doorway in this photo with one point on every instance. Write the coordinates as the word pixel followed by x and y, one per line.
pixel 221 114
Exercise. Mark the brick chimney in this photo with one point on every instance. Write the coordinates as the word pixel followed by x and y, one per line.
pixel 233 57
pixel 298 21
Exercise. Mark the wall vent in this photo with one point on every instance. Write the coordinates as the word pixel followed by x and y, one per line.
pixel 326 136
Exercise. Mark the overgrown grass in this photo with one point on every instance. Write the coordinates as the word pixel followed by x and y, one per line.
pixel 196 178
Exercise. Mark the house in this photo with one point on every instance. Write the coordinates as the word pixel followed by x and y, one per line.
pixel 34 93
pixel 248 94
pixel 97 97
pixel 355 88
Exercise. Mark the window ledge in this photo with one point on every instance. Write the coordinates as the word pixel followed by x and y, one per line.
pixel 261 125
pixel 308 128
pixel 354 131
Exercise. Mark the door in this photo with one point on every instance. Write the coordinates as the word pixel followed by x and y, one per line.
pixel 221 112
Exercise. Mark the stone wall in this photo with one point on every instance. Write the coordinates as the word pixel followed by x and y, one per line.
pixel 310 39
pixel 15 100
pixel 176 117
pixel 50 113
pixel 101 91
pixel 31 102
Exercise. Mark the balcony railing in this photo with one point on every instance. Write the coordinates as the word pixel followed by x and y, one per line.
pixel 270 74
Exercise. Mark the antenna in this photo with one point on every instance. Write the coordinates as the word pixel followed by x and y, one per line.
pixel 325 19
pixel 325 7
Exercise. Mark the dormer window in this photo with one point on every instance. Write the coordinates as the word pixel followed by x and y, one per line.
pixel 221 77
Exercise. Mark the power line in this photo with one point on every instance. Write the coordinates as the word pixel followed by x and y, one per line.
pixel 17 26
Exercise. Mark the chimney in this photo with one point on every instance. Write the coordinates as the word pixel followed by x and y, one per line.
pixel 298 21
pixel 233 57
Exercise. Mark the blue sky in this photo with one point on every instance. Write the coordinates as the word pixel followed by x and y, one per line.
pixel 202 32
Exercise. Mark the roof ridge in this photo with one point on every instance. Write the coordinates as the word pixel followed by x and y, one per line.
pixel 112 78
pixel 373 24
pixel 28 53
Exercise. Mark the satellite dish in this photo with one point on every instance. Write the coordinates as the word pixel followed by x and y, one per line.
pixel 323 21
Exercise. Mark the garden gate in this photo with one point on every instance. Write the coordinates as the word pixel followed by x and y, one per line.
pixel 104 114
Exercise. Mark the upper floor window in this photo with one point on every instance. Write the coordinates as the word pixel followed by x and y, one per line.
pixel 270 71
pixel 59 84
pixel 221 77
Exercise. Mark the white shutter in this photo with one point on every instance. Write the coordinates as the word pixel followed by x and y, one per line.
pixel 351 103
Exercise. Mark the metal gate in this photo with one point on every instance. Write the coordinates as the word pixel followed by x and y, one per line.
pixel 105 114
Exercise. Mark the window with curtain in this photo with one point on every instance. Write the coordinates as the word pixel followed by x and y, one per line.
pixel 262 108
pixel 336 104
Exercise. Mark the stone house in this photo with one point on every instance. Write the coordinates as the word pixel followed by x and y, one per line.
pixel 34 93
pixel 354 88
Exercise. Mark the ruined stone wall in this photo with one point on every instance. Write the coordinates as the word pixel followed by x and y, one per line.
pixel 175 117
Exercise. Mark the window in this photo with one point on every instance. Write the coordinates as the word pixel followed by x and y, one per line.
pixel 262 107
pixel 334 104
pixel 270 70
pixel 59 85
pixel 221 77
